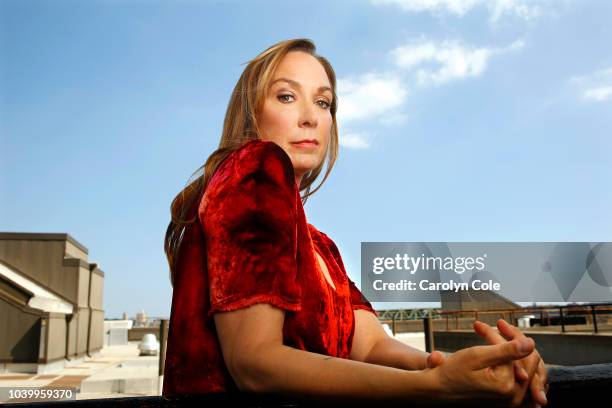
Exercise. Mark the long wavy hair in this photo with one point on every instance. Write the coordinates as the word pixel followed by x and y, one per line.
pixel 240 126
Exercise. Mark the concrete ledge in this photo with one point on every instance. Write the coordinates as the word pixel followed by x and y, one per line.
pixel 569 387
pixel 121 386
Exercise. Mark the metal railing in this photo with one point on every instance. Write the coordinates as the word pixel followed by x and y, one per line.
pixel 584 318
pixel 561 316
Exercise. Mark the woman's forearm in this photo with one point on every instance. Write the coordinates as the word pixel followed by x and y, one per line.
pixel 286 370
pixel 393 353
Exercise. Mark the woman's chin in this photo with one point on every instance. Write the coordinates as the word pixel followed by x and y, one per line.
pixel 305 167
pixel 304 164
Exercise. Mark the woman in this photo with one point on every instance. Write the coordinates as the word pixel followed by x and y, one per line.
pixel 261 299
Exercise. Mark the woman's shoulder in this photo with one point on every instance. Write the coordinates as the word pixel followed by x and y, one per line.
pixel 262 154
pixel 256 168
pixel 255 161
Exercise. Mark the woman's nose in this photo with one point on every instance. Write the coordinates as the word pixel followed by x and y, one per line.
pixel 308 116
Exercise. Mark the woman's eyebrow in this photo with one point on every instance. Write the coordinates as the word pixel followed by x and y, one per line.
pixel 298 85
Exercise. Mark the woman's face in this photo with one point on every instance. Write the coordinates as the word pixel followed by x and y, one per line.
pixel 297 109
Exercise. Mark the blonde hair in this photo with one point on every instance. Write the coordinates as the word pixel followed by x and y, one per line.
pixel 240 126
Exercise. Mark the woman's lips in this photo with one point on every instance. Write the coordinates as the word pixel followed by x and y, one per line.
pixel 305 144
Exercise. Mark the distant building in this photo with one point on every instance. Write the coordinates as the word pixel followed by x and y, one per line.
pixel 141 319
pixel 51 302
pixel 116 332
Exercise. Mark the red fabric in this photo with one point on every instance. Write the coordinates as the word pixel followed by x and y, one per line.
pixel 257 247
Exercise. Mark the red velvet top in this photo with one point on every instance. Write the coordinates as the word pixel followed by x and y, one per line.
pixel 252 245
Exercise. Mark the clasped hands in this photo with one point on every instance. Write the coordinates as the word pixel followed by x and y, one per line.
pixel 495 366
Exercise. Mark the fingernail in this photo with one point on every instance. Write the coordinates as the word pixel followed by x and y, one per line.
pixel 524 345
pixel 543 396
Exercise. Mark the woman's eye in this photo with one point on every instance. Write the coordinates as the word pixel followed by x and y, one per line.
pixel 284 96
pixel 326 105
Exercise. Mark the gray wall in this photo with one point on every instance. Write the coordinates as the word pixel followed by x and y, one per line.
pixel 20 328
pixel 58 263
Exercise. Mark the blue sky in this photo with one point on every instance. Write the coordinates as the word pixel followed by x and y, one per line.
pixel 459 121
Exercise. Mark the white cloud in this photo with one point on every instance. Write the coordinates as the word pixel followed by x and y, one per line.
pixel 457 7
pixel 498 8
pixel 600 94
pixel 353 140
pixel 371 96
pixel 375 98
pixel 451 59
pixel 595 87
pixel 523 9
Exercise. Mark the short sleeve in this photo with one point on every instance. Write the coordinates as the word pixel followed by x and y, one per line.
pixel 249 218
pixel 358 300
